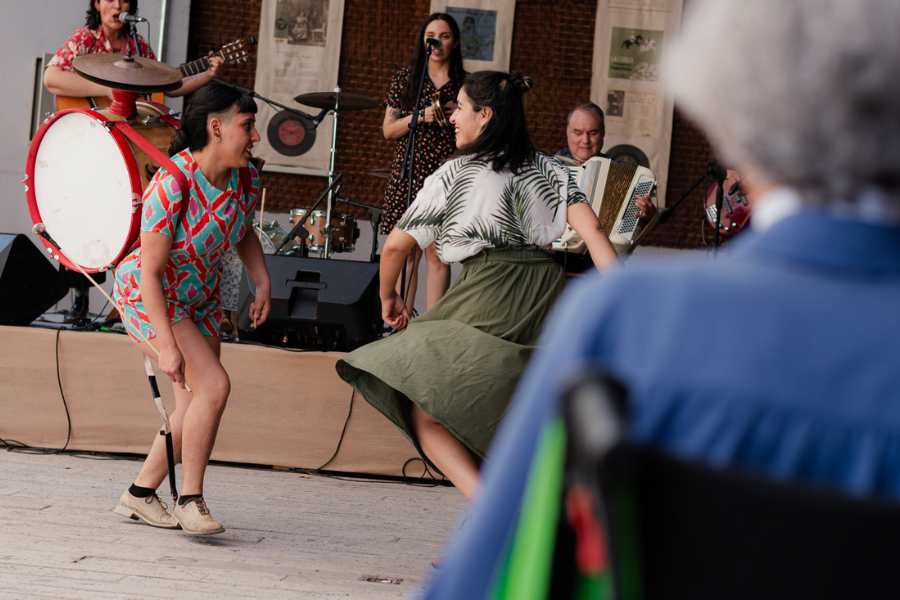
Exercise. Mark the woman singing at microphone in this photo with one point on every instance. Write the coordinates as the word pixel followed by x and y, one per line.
pixel 434 142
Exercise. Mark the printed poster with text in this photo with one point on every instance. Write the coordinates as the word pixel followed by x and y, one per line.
pixel 485 31
pixel 299 52
pixel 629 43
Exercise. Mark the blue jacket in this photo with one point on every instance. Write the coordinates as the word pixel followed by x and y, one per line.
pixel 782 357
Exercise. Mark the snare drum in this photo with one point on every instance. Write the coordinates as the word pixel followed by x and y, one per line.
pixel 84 180
pixel 344 231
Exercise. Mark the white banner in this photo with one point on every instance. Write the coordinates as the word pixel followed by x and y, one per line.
pixel 629 42
pixel 486 28
pixel 299 52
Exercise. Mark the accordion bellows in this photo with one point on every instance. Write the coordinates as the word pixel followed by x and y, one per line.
pixel 612 188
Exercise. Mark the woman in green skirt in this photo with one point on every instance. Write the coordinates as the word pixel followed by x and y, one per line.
pixel 495 206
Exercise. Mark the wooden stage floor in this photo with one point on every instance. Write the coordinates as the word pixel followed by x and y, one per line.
pixel 287 536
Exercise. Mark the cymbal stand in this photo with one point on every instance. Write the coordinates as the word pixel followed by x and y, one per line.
pixel 330 203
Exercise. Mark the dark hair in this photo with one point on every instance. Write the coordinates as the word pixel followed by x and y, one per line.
pixel 457 72
pixel 504 141
pixel 92 19
pixel 206 101
pixel 589 108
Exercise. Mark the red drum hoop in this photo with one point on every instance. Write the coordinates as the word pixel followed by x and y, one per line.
pixel 84 180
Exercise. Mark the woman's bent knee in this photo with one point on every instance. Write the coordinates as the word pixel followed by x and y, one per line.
pixel 216 389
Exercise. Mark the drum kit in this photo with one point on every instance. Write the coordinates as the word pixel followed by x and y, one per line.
pixel 87 169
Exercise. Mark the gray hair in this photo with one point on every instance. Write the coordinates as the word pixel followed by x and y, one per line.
pixel 589 108
pixel 805 91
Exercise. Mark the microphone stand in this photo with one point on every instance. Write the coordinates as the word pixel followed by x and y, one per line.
pixel 132 33
pixel 302 222
pixel 666 213
pixel 721 174
pixel 315 120
pixel 409 157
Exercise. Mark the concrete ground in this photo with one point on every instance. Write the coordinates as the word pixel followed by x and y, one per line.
pixel 287 536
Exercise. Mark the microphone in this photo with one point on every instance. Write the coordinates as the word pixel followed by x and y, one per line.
pixel 433 42
pixel 126 18
pixel 715 169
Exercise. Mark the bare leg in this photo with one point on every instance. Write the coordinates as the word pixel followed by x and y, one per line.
pixel 449 454
pixel 437 277
pixel 196 418
pixel 412 277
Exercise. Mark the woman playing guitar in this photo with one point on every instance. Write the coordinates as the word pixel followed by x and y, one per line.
pixel 104 33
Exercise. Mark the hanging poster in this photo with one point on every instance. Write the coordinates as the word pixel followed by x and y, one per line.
pixel 485 35
pixel 299 52
pixel 629 43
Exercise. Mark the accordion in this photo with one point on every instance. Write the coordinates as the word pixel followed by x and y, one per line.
pixel 612 188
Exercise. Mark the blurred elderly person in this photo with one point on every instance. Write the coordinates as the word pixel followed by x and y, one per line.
pixel 803 98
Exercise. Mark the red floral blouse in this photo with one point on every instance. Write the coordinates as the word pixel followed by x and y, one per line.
pixel 93 41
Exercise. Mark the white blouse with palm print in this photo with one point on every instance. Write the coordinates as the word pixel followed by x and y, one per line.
pixel 465 207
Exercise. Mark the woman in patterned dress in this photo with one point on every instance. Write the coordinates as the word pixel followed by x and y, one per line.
pixel 434 143
pixel 168 289
pixel 496 207
pixel 103 33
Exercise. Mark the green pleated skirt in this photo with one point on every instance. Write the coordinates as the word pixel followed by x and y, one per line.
pixel 461 360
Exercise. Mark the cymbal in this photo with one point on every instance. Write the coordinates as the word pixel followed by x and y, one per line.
pixel 128 73
pixel 345 100
pixel 383 173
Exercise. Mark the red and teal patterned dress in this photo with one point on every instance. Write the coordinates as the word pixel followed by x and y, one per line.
pixel 214 221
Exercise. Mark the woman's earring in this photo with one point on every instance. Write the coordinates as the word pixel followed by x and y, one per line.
pixel 218 139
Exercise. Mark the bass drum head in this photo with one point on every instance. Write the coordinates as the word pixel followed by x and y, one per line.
pixel 83 189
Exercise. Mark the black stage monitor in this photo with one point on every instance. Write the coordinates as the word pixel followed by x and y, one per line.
pixel 29 283
pixel 316 304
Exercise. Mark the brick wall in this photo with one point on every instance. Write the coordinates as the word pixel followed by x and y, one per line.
pixel 552 42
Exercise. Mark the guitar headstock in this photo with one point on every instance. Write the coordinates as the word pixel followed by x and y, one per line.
pixel 238 50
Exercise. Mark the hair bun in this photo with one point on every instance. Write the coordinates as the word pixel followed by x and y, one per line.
pixel 521 82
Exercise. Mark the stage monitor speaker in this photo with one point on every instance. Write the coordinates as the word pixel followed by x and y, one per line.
pixel 29 283
pixel 316 304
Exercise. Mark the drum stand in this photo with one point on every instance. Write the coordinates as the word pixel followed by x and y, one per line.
pixel 374 219
pixel 333 102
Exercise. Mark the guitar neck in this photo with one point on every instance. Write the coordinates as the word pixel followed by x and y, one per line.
pixel 195 67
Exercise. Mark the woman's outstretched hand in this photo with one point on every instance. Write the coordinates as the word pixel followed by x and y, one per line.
pixel 394 312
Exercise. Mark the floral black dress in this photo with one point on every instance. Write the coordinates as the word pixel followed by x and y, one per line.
pixel 434 145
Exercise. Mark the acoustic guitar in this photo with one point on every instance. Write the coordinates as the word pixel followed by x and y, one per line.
pixel 233 53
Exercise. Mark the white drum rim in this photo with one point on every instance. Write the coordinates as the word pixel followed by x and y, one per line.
pixel 133 176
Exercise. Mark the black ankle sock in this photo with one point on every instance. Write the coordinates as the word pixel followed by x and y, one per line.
pixel 184 498
pixel 140 492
